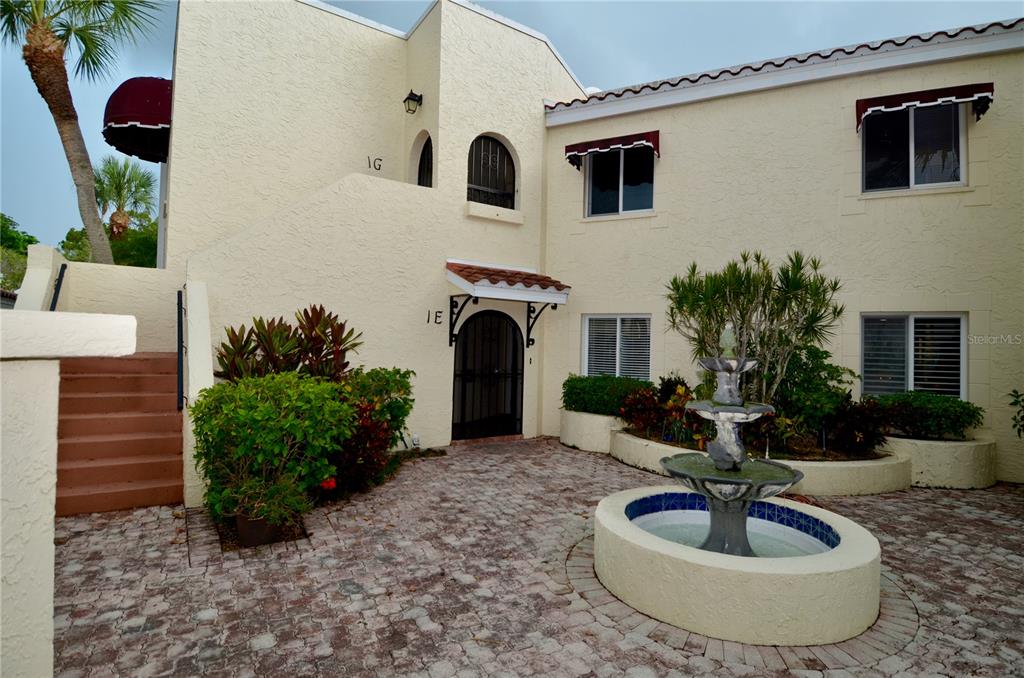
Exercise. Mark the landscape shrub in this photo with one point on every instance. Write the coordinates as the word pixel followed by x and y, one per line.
pixel 271 434
pixel 813 389
pixel 929 416
pixel 316 346
pixel 604 394
pixel 648 416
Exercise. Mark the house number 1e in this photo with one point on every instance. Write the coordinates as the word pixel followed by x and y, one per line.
pixel 374 163
pixel 433 317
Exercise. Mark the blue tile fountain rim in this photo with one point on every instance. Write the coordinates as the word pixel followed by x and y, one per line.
pixel 691 501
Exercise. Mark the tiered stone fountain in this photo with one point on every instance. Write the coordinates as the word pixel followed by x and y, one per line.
pixel 687 559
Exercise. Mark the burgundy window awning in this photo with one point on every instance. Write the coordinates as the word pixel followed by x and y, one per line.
pixel 575 153
pixel 137 119
pixel 981 94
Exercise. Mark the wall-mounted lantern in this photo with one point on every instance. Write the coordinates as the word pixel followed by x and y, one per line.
pixel 412 102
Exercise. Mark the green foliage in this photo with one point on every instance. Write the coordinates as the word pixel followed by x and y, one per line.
pixel 929 416
pixel 317 346
pixel 135 247
pixel 275 429
pixel 648 416
pixel 1017 402
pixel 813 389
pixel 772 312
pixel 12 269
pixel 279 501
pixel 669 384
pixel 857 428
pixel 91 29
pixel 390 392
pixel 12 238
pixel 124 186
pixel 604 394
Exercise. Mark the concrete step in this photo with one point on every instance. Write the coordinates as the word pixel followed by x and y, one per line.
pixel 143 468
pixel 73 425
pixel 106 446
pixel 117 495
pixel 117 403
pixel 139 363
pixel 71 384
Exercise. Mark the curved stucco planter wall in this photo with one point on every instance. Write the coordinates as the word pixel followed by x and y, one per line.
pixel 821 478
pixel 642 453
pixel 964 464
pixel 836 478
pixel 823 598
pixel 585 431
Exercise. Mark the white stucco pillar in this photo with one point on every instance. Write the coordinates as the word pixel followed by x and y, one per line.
pixel 31 345
pixel 199 372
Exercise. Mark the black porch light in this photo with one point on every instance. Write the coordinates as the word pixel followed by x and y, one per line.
pixel 412 102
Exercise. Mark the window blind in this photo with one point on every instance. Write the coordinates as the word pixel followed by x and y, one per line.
pixel 937 355
pixel 885 354
pixel 601 345
pixel 635 348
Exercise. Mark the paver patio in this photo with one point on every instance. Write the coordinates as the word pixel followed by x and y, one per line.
pixel 477 564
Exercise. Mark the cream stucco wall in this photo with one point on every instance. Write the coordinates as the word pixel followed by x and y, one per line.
pixel 31 344
pixel 273 101
pixel 779 170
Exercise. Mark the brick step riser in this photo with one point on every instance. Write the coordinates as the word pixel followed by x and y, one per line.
pixel 116 424
pixel 128 365
pixel 168 470
pixel 118 500
pixel 81 450
pixel 127 383
pixel 117 404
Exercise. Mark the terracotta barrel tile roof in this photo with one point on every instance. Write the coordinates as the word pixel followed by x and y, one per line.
pixel 496 276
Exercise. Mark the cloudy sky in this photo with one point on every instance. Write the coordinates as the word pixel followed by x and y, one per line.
pixel 607 44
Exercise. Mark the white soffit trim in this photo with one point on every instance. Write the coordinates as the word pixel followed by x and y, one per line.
pixel 502 292
pixel 992 43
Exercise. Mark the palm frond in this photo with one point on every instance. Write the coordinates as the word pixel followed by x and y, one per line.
pixel 15 19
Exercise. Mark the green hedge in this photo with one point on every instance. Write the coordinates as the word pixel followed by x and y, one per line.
pixel 929 416
pixel 603 394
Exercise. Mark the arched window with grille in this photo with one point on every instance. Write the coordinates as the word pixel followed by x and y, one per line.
pixel 425 168
pixel 492 173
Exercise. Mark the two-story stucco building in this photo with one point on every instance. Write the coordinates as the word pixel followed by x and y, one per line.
pixel 458 197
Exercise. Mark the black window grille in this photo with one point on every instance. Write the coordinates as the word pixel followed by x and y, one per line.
pixel 492 173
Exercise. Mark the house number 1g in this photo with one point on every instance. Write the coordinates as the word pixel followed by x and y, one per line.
pixel 374 163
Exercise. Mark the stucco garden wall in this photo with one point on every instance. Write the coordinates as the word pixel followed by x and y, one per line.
pixel 966 464
pixel 31 344
pixel 586 431
pixel 779 170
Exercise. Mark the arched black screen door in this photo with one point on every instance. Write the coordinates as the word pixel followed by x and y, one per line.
pixel 425 171
pixel 488 393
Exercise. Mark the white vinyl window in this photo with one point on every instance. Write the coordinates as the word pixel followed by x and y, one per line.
pixel 914 352
pixel 617 344
pixel 914 147
pixel 620 181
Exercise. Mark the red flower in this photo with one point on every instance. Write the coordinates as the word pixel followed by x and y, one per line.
pixel 329 484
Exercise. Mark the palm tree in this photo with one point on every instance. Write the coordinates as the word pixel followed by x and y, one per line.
pixel 126 188
pixel 46 29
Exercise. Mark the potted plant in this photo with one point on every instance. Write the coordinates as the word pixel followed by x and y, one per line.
pixel 264 507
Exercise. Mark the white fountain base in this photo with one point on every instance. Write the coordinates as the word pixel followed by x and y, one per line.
pixel 822 598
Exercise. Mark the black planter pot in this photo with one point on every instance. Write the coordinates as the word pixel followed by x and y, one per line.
pixel 255 531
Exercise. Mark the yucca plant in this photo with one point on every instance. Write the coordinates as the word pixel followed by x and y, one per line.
pixel 773 312
pixel 92 29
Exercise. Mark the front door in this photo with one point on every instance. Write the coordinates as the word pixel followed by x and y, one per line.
pixel 488 393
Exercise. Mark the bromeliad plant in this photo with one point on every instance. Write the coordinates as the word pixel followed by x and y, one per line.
pixel 317 346
pixel 772 312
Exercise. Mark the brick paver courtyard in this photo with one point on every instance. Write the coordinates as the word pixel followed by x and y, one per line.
pixel 476 563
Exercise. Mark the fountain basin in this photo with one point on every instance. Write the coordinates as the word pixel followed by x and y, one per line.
pixel 822 598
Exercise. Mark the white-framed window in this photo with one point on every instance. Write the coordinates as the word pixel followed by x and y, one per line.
pixel 617 344
pixel 914 352
pixel 914 147
pixel 620 180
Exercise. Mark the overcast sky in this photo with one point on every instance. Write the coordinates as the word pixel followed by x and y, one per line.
pixel 607 44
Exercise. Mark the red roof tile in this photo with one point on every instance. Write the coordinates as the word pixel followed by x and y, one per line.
pixel 496 276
